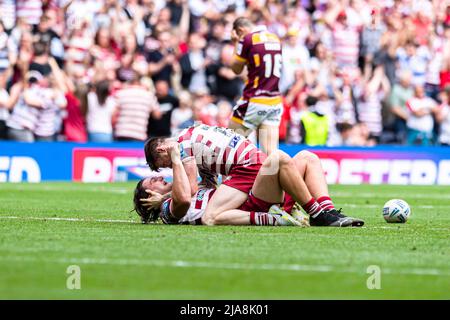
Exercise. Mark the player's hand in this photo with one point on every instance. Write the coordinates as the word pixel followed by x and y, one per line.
pixel 153 201
pixel 174 152
pixel 234 36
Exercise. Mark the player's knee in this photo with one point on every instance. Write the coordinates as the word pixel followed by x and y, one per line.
pixel 279 156
pixel 284 159
pixel 209 219
pixel 275 161
pixel 218 220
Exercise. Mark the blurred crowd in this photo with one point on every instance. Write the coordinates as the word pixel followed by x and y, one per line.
pixel 355 72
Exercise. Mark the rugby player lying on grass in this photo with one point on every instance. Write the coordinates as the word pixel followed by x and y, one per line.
pixel 279 172
pixel 223 151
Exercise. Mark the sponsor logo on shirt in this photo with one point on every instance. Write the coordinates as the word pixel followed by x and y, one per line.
pixel 234 141
pixel 201 194
pixel 182 152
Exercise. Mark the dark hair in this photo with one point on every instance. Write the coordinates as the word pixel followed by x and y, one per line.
pixel 311 101
pixel 102 91
pixel 40 48
pixel 345 126
pixel 136 49
pixel 209 179
pixel 147 215
pixel 97 35
pixel 411 43
pixel 241 22
pixel 151 153
pixel 315 48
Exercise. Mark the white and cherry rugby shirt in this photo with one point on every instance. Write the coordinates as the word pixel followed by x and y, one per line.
pixel 216 149
pixel 196 210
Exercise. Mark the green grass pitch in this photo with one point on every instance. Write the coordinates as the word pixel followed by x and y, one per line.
pixel 44 228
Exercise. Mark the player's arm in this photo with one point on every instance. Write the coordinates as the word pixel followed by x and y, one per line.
pixel 189 164
pixel 239 59
pixel 181 189
pixel 190 168
pixel 237 65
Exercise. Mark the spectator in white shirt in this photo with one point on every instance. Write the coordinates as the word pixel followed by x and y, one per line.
pixel 443 118
pixel 101 107
pixel 415 58
pixel 295 57
pixel 182 114
pixel 321 66
pixel 420 121
pixel 370 102
pixel 25 108
pixel 50 100
pixel 4 106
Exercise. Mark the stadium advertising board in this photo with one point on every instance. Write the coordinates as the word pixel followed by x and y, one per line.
pixel 125 161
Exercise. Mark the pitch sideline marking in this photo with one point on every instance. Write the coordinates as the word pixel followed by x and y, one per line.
pixel 374 206
pixel 135 222
pixel 344 194
pixel 230 266
pixel 69 219
pixel 68 188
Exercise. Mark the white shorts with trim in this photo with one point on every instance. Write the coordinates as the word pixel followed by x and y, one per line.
pixel 252 114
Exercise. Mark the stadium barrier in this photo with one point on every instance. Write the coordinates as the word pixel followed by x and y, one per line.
pixel 36 162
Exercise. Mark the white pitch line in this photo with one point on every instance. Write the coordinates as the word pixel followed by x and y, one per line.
pixel 227 266
pixel 68 219
pixel 63 188
pixel 135 222
pixel 398 227
pixel 374 206
pixel 343 194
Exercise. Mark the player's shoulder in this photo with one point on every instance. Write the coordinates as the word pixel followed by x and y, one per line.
pixel 262 35
pixel 166 213
pixel 272 37
pixel 186 134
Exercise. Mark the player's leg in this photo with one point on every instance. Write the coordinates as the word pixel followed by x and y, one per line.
pixel 269 126
pixel 238 217
pixel 235 188
pixel 225 198
pixel 268 136
pixel 277 174
pixel 264 119
pixel 309 166
pixel 256 210
pixel 239 128
pixel 238 121
pixel 234 217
